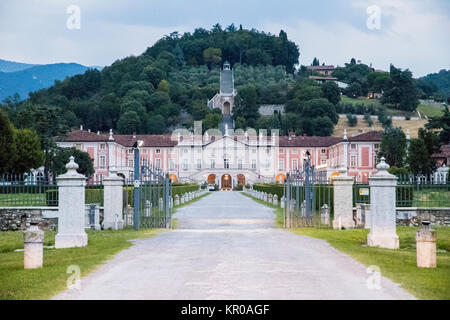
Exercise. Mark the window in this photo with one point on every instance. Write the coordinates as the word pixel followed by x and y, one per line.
pixel 281 150
pixel 254 150
pixel 294 164
pixel 294 151
pixel 267 164
pixel 185 150
pixel 353 161
pixel 78 146
pixel 144 151
pixel 323 161
pixel 185 164
pixel 171 164
pixel 281 164
pixel 158 151
pixel 199 163
pixel 144 162
pixel 226 163
pixel 268 150
pixel 102 146
pixel 102 161
pixel 353 146
pixel 240 164
pixel 158 163
pixel 253 164
pixel 377 146
pixel 323 151
pixel 213 163
pixel 130 150
pixel 130 163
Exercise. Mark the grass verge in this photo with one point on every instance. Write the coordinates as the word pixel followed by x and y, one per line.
pixel 397 265
pixel 19 284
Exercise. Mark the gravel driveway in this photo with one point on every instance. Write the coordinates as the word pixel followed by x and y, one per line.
pixel 227 246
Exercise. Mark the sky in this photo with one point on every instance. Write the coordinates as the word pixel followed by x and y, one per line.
pixel 413 34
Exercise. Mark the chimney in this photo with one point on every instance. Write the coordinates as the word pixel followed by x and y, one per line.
pixel 98 133
pixel 89 130
pixel 81 127
pixel 134 135
pixel 111 135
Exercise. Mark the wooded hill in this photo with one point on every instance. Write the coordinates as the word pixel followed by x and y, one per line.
pixel 168 85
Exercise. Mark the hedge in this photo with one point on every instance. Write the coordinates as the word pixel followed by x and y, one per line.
pixel 272 188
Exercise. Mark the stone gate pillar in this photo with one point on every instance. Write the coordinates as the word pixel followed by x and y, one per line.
pixel 71 208
pixel 113 200
pixel 343 200
pixel 382 209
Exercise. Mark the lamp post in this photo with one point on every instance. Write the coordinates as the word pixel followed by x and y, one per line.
pixel 137 190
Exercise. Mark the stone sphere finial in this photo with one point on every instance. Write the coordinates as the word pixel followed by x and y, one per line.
pixel 382 165
pixel 72 166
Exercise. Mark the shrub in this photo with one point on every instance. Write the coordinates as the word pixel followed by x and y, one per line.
pixel 352 120
pixel 272 188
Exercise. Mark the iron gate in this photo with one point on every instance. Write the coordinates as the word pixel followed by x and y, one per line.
pixel 308 199
pixel 148 200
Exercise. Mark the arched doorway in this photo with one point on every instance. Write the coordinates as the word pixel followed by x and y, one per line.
pixel 173 178
pixel 241 179
pixel 226 108
pixel 280 178
pixel 212 179
pixel 226 182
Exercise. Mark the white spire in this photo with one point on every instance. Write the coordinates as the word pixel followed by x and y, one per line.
pixel 345 134
pixel 111 135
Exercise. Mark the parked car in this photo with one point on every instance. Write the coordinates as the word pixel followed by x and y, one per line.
pixel 211 187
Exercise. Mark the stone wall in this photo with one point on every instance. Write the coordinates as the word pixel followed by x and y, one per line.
pixel 13 219
pixel 415 216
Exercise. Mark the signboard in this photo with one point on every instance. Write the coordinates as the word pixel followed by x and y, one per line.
pixel 364 191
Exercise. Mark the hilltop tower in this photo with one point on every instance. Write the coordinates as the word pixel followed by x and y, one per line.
pixel 224 100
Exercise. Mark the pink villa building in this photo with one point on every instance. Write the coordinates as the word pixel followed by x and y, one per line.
pixel 228 160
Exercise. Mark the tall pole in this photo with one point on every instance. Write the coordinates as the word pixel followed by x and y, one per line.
pixel 137 191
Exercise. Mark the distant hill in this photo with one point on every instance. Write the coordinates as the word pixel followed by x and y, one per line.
pixel 11 66
pixel 436 82
pixel 34 77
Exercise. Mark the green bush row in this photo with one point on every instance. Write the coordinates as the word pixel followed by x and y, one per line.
pixel 272 188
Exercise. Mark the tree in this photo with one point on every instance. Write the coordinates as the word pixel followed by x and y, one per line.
pixel 212 56
pixel 442 123
pixel 246 105
pixel 164 86
pixel 401 91
pixel 315 62
pixel 61 157
pixel 419 159
pixel 28 151
pixel 7 146
pixel 352 120
pixel 393 147
pixel 330 91
pixel 211 121
pixel 129 123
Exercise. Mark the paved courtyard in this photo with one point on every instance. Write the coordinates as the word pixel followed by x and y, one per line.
pixel 227 246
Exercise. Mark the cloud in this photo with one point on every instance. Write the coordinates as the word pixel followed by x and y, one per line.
pixel 413 34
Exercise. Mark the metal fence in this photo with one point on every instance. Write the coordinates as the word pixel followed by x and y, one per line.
pixel 309 200
pixel 22 190
pixel 94 193
pixel 152 193
pixel 422 191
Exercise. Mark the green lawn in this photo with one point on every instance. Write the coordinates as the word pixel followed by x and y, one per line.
pixel 430 111
pixel 431 198
pixel 398 265
pixel 22 199
pixel 18 283
pixel 360 100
